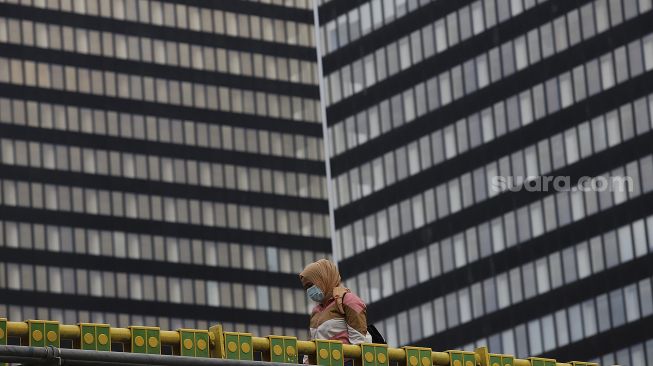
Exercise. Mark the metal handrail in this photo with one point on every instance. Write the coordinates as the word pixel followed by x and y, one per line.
pixel 172 338
pixel 63 356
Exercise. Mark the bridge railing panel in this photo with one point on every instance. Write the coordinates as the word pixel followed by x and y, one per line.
pixel 216 343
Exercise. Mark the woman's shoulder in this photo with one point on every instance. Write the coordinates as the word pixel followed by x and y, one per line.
pixel 353 301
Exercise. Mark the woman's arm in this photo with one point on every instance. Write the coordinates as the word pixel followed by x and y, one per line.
pixel 356 318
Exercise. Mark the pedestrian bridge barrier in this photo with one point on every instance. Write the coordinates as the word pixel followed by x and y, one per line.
pixel 216 343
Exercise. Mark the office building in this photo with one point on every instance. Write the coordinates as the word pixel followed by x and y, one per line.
pixel 162 162
pixel 426 103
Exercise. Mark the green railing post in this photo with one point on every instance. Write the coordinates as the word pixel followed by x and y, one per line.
pixel 373 354
pixel 43 333
pixel 328 353
pixel 3 335
pixel 239 346
pixel 282 349
pixel 145 340
pixel 94 337
pixel 193 342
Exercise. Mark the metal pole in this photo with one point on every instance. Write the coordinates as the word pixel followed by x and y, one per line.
pixel 64 356
pixel 28 355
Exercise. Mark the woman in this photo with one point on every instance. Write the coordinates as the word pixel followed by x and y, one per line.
pixel 339 313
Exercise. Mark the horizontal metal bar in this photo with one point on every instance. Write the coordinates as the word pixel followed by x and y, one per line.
pixel 46 355
pixel 24 360
pixel 26 355
pixel 67 331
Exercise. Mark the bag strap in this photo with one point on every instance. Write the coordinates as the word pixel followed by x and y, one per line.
pixel 376 335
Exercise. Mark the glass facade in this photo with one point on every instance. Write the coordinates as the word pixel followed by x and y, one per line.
pixel 162 162
pixel 170 163
pixel 426 104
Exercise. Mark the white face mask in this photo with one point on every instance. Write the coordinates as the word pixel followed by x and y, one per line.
pixel 314 293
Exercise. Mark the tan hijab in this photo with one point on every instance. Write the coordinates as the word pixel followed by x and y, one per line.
pixel 324 274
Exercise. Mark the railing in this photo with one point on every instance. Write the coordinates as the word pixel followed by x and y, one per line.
pixel 216 343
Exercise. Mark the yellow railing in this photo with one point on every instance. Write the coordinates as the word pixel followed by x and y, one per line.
pixel 217 343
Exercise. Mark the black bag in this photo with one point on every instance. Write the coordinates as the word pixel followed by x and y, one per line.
pixel 376 335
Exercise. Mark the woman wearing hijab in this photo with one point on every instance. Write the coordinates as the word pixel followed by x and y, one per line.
pixel 339 313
